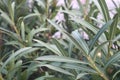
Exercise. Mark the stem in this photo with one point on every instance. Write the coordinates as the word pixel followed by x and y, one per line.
pixel 15 29
pixel 96 68
pixel 109 48
pixel 1 78
pixel 47 12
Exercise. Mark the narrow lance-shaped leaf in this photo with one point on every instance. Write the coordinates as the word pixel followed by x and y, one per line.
pixel 102 30
pixel 85 24
pixel 112 32
pixel 80 41
pixel 59 69
pixel 12 56
pixel 104 8
pixel 61 49
pixel 81 6
pixel 69 36
pixel 10 33
pixel 115 74
pixel 81 75
pixel 18 54
pixel 101 5
pixel 35 31
pixel 6 17
pixel 51 67
pixel 72 12
pixel 89 26
pixel 31 15
pixel 51 47
pixel 11 7
pixel 23 31
pixel 113 59
pixel 75 42
pixel 99 47
pixel 113 27
pixel 116 38
pixel 60 59
pixel 78 67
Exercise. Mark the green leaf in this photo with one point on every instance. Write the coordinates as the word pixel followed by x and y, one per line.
pixel 81 6
pixel 80 41
pixel 10 33
pixel 11 6
pixel 113 59
pixel 56 26
pixel 78 67
pixel 113 27
pixel 99 47
pixel 31 15
pixel 13 56
pixel 105 11
pixel 89 26
pixel 23 31
pixel 81 75
pixel 100 32
pixel 85 24
pixel 14 43
pixel 58 69
pixel 33 32
pixel 60 59
pixel 116 38
pixel 101 5
pixel 115 74
pixel 51 47
pixel 18 54
pixel 13 10
pixel 112 32
pixel 72 12
pixel 75 42
pixel 18 63
pixel 69 36
pixel 6 17
pixel 59 46
pixel 44 77
pixel 51 67
pixel 40 3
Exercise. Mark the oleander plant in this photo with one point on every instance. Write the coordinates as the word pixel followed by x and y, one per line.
pixel 59 40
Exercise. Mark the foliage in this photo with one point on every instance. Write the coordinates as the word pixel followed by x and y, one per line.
pixel 88 48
